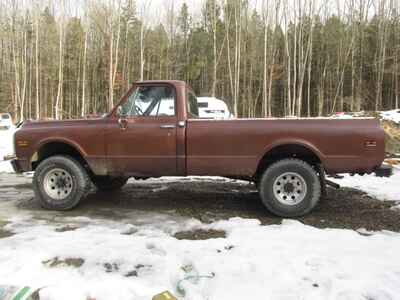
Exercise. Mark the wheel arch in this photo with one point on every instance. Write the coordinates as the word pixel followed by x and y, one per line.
pixel 52 147
pixel 289 149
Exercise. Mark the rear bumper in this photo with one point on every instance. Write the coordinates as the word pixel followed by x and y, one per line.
pixel 384 171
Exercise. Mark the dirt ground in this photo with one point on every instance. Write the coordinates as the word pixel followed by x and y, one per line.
pixel 207 200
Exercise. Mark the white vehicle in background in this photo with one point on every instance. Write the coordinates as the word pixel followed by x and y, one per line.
pixel 5 121
pixel 213 108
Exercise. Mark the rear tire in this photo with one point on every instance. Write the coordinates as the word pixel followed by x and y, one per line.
pixel 290 188
pixel 60 182
pixel 109 184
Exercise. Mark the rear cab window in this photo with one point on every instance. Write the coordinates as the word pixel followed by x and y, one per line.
pixel 192 105
pixel 202 104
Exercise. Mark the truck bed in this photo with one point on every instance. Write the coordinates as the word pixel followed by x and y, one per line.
pixel 235 147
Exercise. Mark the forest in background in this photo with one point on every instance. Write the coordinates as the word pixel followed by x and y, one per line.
pixel 67 59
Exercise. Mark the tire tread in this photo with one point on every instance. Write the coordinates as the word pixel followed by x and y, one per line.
pixel 83 181
pixel 316 188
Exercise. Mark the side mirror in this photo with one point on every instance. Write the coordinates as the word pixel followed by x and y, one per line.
pixel 120 112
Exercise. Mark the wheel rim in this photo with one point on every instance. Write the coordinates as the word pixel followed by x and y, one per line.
pixel 290 188
pixel 58 184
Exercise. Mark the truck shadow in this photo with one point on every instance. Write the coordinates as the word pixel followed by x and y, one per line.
pixel 210 200
pixel 203 200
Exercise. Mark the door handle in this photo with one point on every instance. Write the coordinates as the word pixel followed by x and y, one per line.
pixel 167 126
pixel 123 123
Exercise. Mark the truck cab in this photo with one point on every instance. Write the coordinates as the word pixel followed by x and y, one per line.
pixel 152 117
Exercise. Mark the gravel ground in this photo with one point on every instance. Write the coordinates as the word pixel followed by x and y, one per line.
pixel 205 199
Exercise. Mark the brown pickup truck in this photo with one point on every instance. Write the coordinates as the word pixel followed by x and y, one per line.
pixel 155 131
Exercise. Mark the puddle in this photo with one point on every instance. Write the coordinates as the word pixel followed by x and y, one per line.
pixel 200 234
pixel 5 234
pixel 111 267
pixel 138 268
pixel 67 228
pixel 22 186
pixel 68 262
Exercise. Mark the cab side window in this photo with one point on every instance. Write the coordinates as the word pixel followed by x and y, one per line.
pixel 150 101
pixel 193 107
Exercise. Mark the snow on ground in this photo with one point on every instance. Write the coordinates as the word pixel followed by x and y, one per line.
pixel 391 115
pixel 381 188
pixel 287 261
pixel 125 259
pixel 6 148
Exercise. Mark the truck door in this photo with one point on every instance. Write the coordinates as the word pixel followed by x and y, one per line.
pixel 141 138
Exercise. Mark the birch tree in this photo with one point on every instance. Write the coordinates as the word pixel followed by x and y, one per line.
pixel 143 14
pixel 59 99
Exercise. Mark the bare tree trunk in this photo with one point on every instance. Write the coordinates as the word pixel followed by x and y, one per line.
pixel 295 43
pixel 143 25
pixel 363 8
pixel 381 53
pixel 238 37
pixel 227 27
pixel 397 66
pixel 310 60
pixel 24 73
pixel 116 54
pixel 266 106
pixel 214 26
pixel 37 110
pixel 113 57
pixel 396 74
pixel 111 66
pixel 83 100
pixel 142 62
pixel 321 89
pixel 288 110
pixel 59 99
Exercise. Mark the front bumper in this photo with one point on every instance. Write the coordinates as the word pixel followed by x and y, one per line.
pixel 18 165
pixel 384 171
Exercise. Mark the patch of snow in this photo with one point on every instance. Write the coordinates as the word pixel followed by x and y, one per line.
pixel 350 115
pixel 6 148
pixel 342 115
pixel 287 261
pixel 381 188
pixel 391 115
pixel 160 189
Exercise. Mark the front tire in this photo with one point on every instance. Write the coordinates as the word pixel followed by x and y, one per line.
pixel 290 188
pixel 60 182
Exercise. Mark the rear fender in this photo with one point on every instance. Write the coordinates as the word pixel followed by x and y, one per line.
pixel 297 142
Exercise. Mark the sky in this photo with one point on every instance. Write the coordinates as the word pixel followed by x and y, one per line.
pixel 158 7
pixel 195 6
